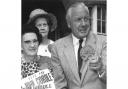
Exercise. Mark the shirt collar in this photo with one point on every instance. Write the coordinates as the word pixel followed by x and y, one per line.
pixel 76 40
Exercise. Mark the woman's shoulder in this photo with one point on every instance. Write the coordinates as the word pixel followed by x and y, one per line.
pixel 51 42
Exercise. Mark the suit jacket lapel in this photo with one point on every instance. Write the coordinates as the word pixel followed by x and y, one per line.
pixel 70 54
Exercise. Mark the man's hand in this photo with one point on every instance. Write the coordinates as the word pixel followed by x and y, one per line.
pixel 95 63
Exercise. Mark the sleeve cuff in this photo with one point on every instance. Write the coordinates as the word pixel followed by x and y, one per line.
pixel 101 74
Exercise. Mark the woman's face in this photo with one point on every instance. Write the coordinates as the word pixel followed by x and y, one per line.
pixel 42 25
pixel 30 44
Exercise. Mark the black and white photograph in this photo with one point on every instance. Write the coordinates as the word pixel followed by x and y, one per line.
pixel 63 44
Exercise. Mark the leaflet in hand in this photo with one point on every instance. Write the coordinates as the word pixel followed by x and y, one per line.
pixel 42 79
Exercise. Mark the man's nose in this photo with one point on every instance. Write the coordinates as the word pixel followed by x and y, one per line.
pixel 83 22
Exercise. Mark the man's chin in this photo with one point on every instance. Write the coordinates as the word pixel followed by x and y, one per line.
pixel 83 34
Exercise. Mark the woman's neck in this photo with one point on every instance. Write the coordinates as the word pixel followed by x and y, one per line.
pixel 45 41
pixel 29 58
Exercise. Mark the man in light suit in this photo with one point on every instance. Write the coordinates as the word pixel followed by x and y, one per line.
pixel 65 53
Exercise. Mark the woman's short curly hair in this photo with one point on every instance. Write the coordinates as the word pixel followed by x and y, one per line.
pixel 31 29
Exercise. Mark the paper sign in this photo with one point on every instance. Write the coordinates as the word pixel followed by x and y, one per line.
pixel 42 79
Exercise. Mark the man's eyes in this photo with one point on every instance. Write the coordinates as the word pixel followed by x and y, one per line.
pixel 35 41
pixel 80 19
pixel 86 18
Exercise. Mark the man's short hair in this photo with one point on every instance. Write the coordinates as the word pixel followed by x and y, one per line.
pixel 77 4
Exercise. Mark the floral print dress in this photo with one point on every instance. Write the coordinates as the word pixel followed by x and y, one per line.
pixel 29 68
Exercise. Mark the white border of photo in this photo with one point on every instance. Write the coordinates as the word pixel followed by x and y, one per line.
pixel 10 45
pixel 117 44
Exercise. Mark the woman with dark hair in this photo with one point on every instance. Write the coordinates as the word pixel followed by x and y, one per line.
pixel 31 62
pixel 46 23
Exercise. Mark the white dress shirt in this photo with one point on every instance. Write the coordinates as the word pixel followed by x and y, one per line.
pixel 76 46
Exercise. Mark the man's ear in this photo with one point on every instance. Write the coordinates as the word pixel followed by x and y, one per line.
pixel 68 24
pixel 68 21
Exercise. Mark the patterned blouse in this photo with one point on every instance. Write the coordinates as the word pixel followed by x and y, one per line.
pixel 29 68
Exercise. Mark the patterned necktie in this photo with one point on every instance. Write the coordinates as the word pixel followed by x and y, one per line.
pixel 79 58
